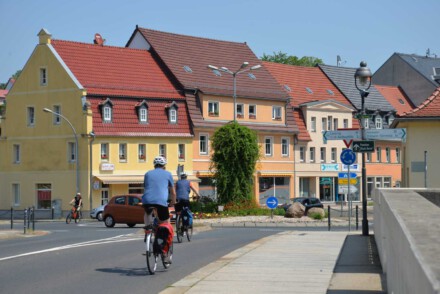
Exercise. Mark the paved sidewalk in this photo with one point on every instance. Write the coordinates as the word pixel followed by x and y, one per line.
pixel 292 262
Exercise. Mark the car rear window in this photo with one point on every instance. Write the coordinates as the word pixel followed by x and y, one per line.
pixel 120 200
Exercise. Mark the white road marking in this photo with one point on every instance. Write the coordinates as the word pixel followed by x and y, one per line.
pixel 116 239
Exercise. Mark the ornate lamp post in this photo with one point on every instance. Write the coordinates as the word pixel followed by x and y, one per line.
pixel 362 80
pixel 76 144
pixel 234 75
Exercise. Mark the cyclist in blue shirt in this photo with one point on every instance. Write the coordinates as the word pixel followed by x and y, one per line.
pixel 158 185
pixel 183 188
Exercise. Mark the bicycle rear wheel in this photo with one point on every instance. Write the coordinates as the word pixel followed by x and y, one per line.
pixel 168 257
pixel 149 254
pixel 189 232
pixel 179 228
pixel 69 218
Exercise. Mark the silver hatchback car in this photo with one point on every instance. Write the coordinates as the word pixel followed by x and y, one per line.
pixel 97 213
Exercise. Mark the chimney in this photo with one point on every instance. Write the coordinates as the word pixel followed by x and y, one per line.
pixel 44 36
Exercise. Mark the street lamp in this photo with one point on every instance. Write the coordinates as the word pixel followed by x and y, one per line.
pixel 234 75
pixel 362 81
pixel 76 144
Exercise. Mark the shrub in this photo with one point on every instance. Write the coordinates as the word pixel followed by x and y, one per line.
pixel 315 215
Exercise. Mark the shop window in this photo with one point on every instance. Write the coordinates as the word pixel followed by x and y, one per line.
pixel 44 196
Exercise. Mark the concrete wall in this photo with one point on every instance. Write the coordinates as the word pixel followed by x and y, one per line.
pixel 407 236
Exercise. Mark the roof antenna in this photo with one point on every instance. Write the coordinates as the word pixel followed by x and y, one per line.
pixel 339 61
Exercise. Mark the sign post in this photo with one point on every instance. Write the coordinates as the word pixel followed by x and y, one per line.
pixel 272 202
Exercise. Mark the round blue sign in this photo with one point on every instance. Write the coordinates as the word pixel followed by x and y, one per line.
pixel 272 202
pixel 348 157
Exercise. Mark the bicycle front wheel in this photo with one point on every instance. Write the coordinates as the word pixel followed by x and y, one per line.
pixel 168 257
pixel 69 218
pixel 189 232
pixel 179 229
pixel 78 217
pixel 149 254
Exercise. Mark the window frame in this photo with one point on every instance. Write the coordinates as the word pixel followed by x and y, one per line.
pixel 143 114
pixel 172 115
pixel 285 143
pixel 43 76
pixel 16 153
pixel 345 123
pixel 378 122
pixel 277 112
pixel 16 194
pixel 181 152
pixel 378 154
pixel 104 150
pixel 312 154
pixel 252 114
pixel 107 113
pixel 56 118
pixel 324 123
pixel 302 154
pixel 123 152
pixel 30 116
pixel 387 155
pixel 313 124
pixel 398 155
pixel 268 146
pixel 334 154
pixel 239 114
pixel 213 108
pixel 142 152
pixel 203 144
pixel 162 150
pixel 322 152
pixel 71 152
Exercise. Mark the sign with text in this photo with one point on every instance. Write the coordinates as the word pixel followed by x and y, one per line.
pixel 342 135
pixel 386 134
pixel 363 146
pixel 345 175
pixel 353 181
pixel 330 167
pixel 353 167
pixel 344 189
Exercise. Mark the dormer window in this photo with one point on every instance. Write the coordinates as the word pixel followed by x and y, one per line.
pixel 106 110
pixel 172 112
pixel 276 112
pixel 378 122
pixel 390 119
pixel 142 111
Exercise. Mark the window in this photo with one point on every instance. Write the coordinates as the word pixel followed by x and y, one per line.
pixel 121 200
pixel 285 146
pixel 104 151
pixel 43 77
pixel 398 155
pixel 213 108
pixel 368 158
pixel 322 154
pixel 387 182
pixel 181 151
pixel 141 152
pixel 16 194
pixel 335 124
pixel 56 118
pixel 334 154
pixel 122 152
pixel 268 142
pixel 329 122
pixel 104 193
pixel 163 150
pixel 107 110
pixel 345 123
pixel 366 123
pixel 324 124
pixel 71 149
pixel 44 196
pixel 312 154
pixel 370 186
pixel 252 111
pixel 240 110
pixel 173 115
pixel 378 122
pixel 30 116
pixel 143 114
pixel 276 112
pixel 390 119
pixel 16 153
pixel 302 154
pixel 378 154
pixel 313 124
pixel 203 144
pixel 387 154
pixel 135 189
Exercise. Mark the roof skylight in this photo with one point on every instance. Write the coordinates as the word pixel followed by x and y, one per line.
pixel 252 76
pixel 217 72
pixel 401 101
pixel 287 88
pixel 309 90
pixel 330 92
pixel 187 69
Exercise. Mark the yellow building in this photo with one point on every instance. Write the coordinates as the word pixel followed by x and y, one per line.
pixel 109 112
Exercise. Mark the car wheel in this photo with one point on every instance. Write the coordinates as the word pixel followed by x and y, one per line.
pixel 99 217
pixel 131 225
pixel 109 221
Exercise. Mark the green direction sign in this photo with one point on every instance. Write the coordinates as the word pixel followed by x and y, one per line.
pixel 326 181
pixel 363 146
pixel 360 116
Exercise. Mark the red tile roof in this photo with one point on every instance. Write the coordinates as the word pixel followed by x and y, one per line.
pixel 178 51
pixel 396 97
pixel 300 122
pixel 118 71
pixel 3 93
pixel 430 108
pixel 125 120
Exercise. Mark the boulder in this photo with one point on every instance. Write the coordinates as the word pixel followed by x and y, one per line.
pixel 296 210
pixel 316 210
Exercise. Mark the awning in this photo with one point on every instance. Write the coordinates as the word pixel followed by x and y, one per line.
pixel 133 179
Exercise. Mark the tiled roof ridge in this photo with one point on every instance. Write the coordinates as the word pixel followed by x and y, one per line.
pixel 335 66
pixel 425 103
pixel 190 36
pixel 386 86
pixel 99 46
pixel 286 65
pixel 149 89
pixel 416 55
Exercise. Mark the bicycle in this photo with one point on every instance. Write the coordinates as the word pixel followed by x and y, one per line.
pixel 181 225
pixel 152 253
pixel 73 214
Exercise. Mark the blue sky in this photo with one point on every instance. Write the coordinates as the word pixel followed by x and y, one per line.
pixel 356 30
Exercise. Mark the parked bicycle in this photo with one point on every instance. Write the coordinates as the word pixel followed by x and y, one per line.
pixel 184 224
pixel 73 214
pixel 154 249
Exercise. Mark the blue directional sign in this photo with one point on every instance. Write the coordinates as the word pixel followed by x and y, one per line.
pixel 272 202
pixel 348 157
pixel 345 175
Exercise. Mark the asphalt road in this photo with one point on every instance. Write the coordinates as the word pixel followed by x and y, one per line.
pixel 89 258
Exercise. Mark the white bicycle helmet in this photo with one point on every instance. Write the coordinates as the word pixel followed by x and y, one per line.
pixel 183 175
pixel 159 160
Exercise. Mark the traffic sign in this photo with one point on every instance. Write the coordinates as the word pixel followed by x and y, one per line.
pixel 353 181
pixel 345 175
pixel 272 202
pixel 330 167
pixel 342 135
pixel 353 167
pixel 344 189
pixel 386 134
pixel 363 146
pixel 348 157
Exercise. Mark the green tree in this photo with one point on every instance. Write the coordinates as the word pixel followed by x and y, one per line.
pixel 235 153
pixel 282 57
